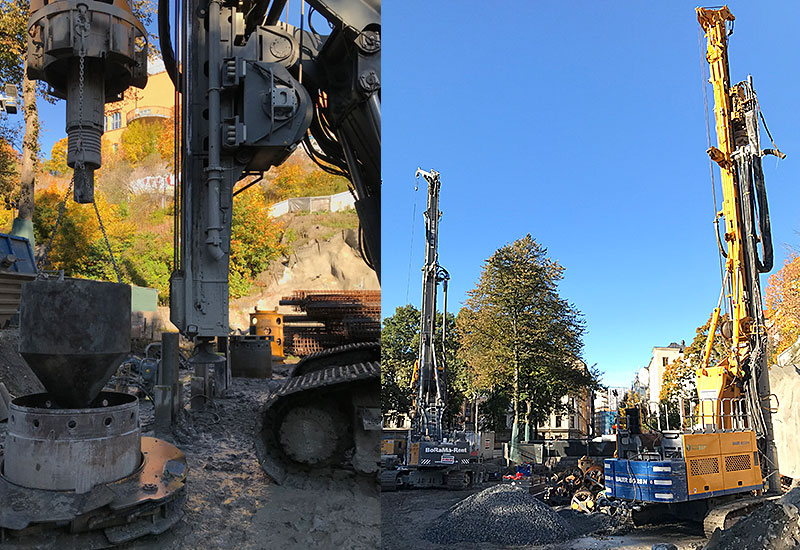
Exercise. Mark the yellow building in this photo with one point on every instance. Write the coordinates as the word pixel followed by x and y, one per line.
pixel 574 424
pixel 154 102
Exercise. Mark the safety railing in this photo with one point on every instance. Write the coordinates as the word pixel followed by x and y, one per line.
pixel 696 415
pixel 726 414
pixel 146 112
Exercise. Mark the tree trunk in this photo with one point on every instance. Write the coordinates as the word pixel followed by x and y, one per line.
pixel 528 421
pixel 515 399
pixel 23 223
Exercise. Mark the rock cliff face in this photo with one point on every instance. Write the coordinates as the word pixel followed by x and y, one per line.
pixel 332 264
pixel 784 379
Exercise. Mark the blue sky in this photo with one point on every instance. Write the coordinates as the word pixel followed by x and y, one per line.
pixel 581 123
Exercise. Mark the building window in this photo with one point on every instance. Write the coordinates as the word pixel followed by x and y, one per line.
pixel 114 121
pixel 558 421
pixel 572 421
pixel 663 361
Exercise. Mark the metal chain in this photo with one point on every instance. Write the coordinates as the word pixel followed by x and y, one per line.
pixel 43 261
pixel 84 26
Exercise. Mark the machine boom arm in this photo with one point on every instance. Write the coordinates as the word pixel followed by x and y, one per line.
pixel 743 372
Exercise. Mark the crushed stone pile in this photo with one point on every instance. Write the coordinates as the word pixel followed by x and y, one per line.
pixel 773 526
pixel 502 514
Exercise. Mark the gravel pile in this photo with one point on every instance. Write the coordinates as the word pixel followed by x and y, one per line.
pixel 502 514
pixel 772 526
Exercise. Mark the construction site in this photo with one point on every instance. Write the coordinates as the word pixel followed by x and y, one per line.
pixel 199 347
pixel 498 431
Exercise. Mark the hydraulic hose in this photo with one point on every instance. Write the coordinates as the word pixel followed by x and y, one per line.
pixel 763 218
pixel 165 42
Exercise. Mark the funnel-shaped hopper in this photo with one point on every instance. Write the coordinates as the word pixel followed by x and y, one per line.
pixel 74 334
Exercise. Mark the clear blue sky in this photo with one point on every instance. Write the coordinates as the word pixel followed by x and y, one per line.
pixel 581 123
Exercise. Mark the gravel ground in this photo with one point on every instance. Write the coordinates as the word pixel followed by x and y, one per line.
pixel 406 515
pixel 231 504
pixel 503 514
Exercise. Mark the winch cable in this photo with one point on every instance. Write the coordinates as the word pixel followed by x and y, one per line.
pixel 704 85
pixel 108 244
pixel 411 247
pixel 43 260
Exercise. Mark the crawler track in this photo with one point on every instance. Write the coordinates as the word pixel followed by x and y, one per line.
pixel 336 389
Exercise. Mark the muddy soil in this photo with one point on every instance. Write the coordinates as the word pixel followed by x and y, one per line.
pixel 406 515
pixel 232 504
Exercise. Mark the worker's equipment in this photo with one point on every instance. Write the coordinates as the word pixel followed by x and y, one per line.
pixel 251 355
pixel 252 89
pixel 332 401
pixel 433 458
pixel 722 443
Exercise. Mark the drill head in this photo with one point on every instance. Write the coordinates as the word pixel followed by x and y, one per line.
pixel 85 113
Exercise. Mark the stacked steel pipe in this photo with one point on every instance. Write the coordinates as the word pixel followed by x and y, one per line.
pixel 327 319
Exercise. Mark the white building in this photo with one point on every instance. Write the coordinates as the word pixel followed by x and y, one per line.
pixel 658 363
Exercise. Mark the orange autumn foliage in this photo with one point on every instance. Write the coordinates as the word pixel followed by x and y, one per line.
pixel 782 301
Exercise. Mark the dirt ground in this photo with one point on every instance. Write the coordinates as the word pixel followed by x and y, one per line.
pixel 407 514
pixel 231 504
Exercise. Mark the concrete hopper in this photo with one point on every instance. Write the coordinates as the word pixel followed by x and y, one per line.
pixel 74 333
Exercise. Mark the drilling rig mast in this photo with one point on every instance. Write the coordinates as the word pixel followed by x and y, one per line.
pixel 431 394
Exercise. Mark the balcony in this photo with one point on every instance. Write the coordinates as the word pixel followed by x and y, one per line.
pixel 147 112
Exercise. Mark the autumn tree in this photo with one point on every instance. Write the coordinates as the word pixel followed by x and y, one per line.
pixel 140 140
pixel 255 240
pixel 292 179
pixel 680 376
pixel 518 333
pixel 57 163
pixel 13 67
pixel 782 303
pixel 165 142
pixel 79 247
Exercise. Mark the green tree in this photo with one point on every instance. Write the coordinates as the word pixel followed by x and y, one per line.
pixel 518 333
pixel 399 352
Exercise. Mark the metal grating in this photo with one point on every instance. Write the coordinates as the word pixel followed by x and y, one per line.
pixel 704 466
pixel 737 463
